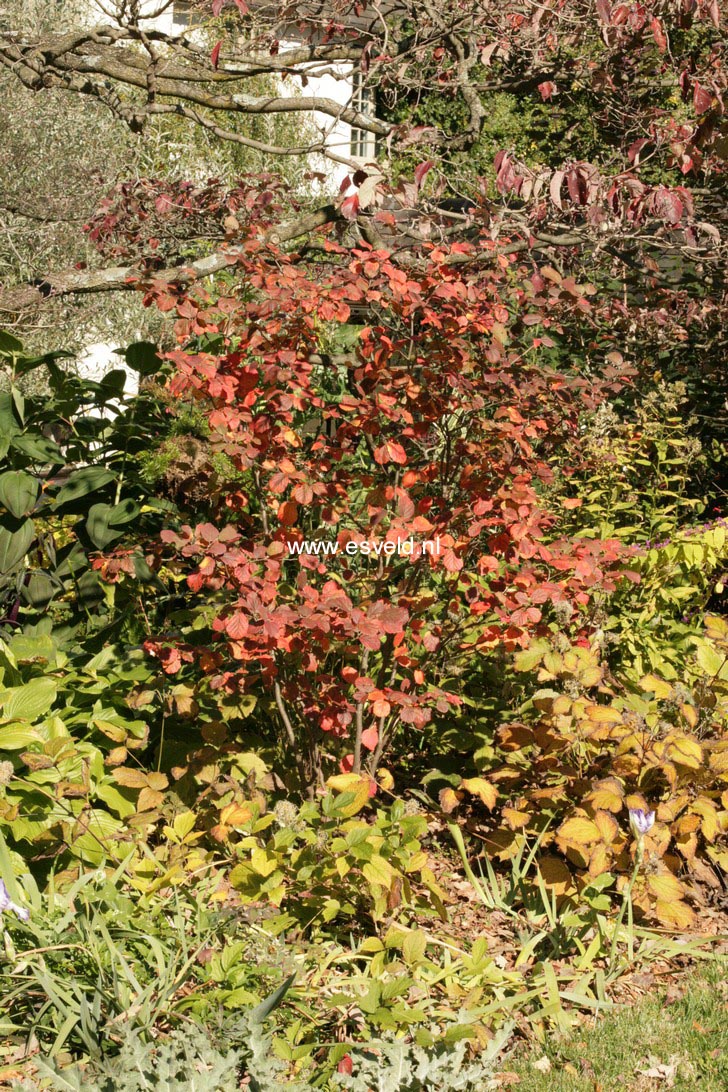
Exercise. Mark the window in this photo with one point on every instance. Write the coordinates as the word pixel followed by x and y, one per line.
pixel 362 143
pixel 185 13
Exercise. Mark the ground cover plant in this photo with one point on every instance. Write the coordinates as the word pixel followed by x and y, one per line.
pixel 283 801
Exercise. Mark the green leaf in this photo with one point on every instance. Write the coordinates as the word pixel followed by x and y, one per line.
pixel 18 492
pixel 113 383
pixel 16 737
pixel 104 520
pixel 9 344
pixel 413 946
pixel 142 358
pixel 710 660
pixel 30 701
pixel 83 482
pixel 39 590
pixel 38 448
pixel 266 1007
pixel 8 421
pixel 19 403
pixel 14 545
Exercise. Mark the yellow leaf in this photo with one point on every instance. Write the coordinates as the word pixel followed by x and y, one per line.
pixel 709 818
pixel 603 714
pixel 578 829
pixel 686 751
pixel 262 863
pixel 481 788
pixel 183 823
pixel 516 820
pixel 674 912
pixel 718 760
pixel 378 871
pixel 607 794
pixel 417 862
pixel 665 887
pixel 591 676
pixel 658 687
pixel 687 845
pixel 342 866
pixel 351 783
pixel 386 780
pixel 690 714
pixel 413 946
pixel 599 861
pixel 344 782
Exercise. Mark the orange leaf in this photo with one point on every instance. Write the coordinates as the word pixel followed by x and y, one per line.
pixel 148 799
pixel 130 779
pixel 556 875
pixel 481 788
pixel 449 800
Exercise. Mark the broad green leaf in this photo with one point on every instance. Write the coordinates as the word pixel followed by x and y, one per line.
pixel 18 492
pixel 38 448
pixel 15 737
pixel 105 521
pixel 9 344
pixel 83 482
pixel 710 660
pixel 142 357
pixel 39 590
pixel 14 545
pixel 30 701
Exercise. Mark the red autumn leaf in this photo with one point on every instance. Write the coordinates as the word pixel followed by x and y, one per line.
pixel 288 513
pixel 390 452
pixel 702 99
pixel 370 738
pixel 217 6
pixel 421 170
pixel 350 207
pixel 215 55
pixel 546 90
pixel 346 1065
pixel 391 619
pixel 658 33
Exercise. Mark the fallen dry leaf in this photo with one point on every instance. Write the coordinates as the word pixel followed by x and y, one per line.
pixel 660 1072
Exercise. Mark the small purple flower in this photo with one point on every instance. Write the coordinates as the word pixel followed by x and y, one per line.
pixel 6 903
pixel 641 821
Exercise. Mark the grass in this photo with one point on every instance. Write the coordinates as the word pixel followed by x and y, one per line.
pixel 681 1042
